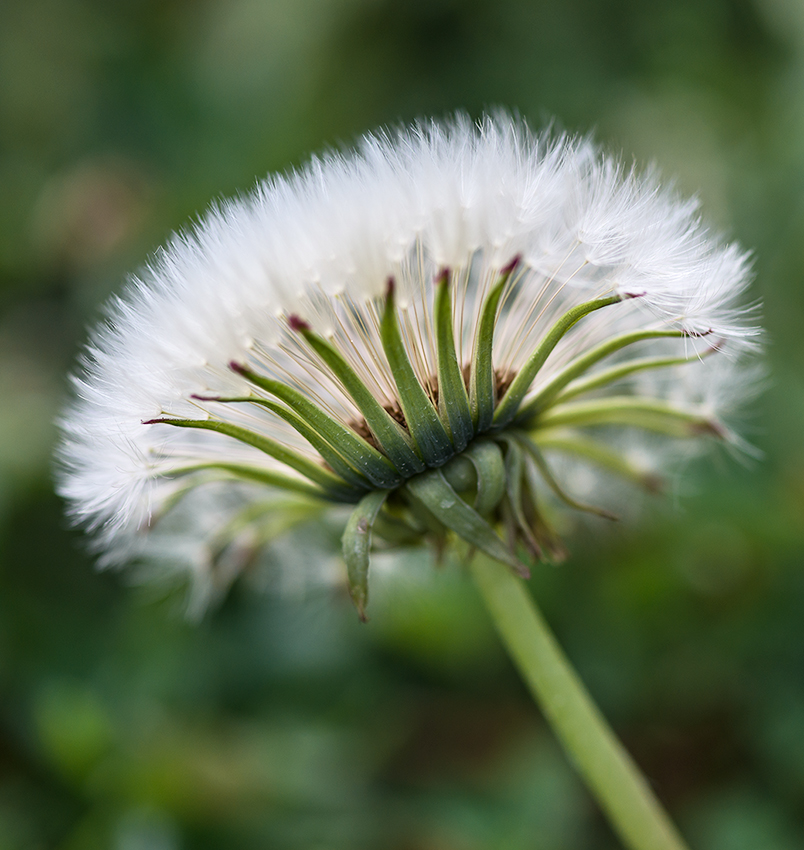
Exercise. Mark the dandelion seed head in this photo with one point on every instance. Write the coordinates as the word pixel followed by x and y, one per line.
pixel 255 293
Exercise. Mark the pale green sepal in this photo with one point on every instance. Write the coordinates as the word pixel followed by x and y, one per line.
pixel 461 474
pixel 388 433
pixel 649 414
pixel 267 520
pixel 552 483
pixel 333 456
pixel 433 491
pixel 355 450
pixel 398 531
pixel 514 467
pixel 422 419
pixel 308 468
pixel 509 406
pixel 432 527
pixel 262 476
pixel 487 459
pixel 339 465
pixel 453 400
pixel 357 547
pixel 599 454
pixel 617 373
pixel 481 380
pixel 579 365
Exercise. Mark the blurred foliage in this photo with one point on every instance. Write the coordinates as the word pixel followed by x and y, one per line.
pixel 278 721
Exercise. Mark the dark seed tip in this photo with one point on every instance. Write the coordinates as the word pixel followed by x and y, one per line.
pixel 390 286
pixel 507 269
pixel 443 275
pixel 653 483
pixel 297 324
pixel 709 427
pixel 239 368
pixel 719 430
pixel 205 397
pixel 152 421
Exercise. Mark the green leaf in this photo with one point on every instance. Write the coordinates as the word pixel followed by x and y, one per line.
pixel 509 406
pixel 309 469
pixel 433 491
pixel 354 449
pixel 387 432
pixel 580 364
pixel 357 547
pixel 422 419
pixel 481 381
pixel 453 400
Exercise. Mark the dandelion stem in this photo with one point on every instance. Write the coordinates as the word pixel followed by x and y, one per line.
pixel 610 773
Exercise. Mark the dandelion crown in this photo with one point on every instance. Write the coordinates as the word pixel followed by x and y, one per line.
pixel 440 329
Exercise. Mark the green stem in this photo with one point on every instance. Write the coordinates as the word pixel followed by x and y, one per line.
pixel 614 779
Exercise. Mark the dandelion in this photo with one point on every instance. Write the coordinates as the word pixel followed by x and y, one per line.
pixel 448 330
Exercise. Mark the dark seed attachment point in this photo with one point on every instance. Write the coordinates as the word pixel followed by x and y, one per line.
pixel 443 275
pixel 507 269
pixel 297 324
pixel 712 428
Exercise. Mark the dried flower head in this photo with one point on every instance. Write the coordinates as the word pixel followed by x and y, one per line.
pixel 419 328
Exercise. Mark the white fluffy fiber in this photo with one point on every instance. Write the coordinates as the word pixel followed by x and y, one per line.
pixel 457 194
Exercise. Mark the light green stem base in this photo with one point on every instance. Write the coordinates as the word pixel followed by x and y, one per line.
pixel 614 779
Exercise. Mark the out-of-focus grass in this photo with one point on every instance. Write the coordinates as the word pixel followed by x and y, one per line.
pixel 279 721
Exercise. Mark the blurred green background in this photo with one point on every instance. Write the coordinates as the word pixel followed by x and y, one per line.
pixel 278 721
